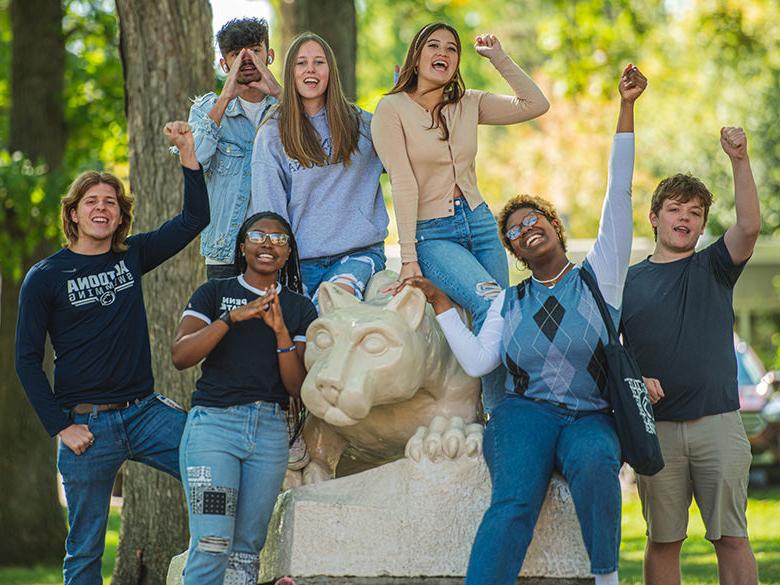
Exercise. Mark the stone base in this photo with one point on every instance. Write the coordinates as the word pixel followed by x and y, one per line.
pixel 407 519
pixel 425 581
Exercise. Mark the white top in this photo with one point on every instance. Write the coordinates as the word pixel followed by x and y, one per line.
pixel 253 110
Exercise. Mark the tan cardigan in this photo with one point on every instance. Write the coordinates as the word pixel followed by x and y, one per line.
pixel 423 168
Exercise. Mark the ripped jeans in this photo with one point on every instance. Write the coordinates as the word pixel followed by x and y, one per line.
pixel 463 256
pixel 232 462
pixel 353 268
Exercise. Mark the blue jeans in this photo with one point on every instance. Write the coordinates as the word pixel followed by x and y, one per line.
pixel 463 256
pixel 353 268
pixel 233 462
pixel 148 432
pixel 524 442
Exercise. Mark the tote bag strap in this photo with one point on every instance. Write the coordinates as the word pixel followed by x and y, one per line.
pixel 591 283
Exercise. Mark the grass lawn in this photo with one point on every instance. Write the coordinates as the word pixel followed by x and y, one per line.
pixel 699 564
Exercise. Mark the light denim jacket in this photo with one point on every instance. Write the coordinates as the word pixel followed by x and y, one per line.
pixel 225 152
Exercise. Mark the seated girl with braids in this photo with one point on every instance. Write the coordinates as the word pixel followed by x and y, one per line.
pixel 250 333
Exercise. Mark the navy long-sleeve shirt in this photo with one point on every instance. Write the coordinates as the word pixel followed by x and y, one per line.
pixel 93 309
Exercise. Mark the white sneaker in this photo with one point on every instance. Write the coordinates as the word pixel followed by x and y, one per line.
pixel 298 455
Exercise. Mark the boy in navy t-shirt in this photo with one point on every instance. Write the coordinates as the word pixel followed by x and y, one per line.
pixel 88 298
pixel 679 322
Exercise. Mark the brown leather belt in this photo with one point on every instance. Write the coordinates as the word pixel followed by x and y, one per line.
pixel 86 408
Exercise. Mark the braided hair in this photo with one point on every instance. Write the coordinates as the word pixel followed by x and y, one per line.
pixel 289 277
pixel 290 274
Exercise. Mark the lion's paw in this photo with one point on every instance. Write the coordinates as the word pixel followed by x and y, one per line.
pixel 445 439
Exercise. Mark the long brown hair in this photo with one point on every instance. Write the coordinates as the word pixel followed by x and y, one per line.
pixel 78 188
pixel 407 77
pixel 300 139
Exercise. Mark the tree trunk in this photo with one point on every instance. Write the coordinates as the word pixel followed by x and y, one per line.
pixel 167 56
pixel 31 515
pixel 37 80
pixel 335 21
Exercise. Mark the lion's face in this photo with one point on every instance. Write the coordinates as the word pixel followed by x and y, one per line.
pixel 361 355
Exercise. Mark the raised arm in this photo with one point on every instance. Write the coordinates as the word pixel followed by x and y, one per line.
pixel 390 144
pixel 172 236
pixel 528 101
pixel 740 239
pixel 611 252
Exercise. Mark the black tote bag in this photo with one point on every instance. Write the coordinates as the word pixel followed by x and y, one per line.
pixel 627 396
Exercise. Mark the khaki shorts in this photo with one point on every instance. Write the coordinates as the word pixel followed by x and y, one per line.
pixel 709 459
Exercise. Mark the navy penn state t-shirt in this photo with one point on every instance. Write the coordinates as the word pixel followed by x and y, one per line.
pixel 244 365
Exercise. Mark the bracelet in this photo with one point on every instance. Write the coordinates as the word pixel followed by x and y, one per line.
pixel 286 349
pixel 225 318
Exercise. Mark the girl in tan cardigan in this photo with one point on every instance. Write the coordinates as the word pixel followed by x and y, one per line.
pixel 425 132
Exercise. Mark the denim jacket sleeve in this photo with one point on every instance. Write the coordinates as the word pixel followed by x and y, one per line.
pixel 204 130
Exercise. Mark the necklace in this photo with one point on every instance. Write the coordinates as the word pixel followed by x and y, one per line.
pixel 554 278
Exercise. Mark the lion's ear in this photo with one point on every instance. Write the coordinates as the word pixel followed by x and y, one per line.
pixel 332 297
pixel 410 304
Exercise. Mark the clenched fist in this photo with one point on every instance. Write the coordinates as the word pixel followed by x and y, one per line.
pixel 734 142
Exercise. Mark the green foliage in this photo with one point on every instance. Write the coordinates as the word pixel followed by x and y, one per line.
pixel 95 126
pixel 27 213
pixel 710 63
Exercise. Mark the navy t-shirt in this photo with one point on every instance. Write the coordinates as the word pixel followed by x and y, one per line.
pixel 679 323
pixel 244 365
pixel 93 309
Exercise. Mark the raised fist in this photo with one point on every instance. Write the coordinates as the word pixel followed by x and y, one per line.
pixel 734 142
pixel 632 83
pixel 179 135
pixel 488 46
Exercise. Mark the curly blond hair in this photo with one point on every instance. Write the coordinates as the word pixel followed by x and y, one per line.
pixel 529 202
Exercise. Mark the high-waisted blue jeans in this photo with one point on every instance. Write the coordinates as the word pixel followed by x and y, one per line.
pixel 233 461
pixel 525 441
pixel 463 256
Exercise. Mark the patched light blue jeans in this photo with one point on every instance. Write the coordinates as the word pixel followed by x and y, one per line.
pixel 463 256
pixel 353 268
pixel 149 432
pixel 525 441
pixel 233 462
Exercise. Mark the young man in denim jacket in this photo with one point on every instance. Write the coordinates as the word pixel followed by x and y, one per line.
pixel 224 128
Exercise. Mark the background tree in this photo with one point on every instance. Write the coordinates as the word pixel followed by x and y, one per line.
pixel 31 510
pixel 167 60
pixel 60 113
pixel 333 20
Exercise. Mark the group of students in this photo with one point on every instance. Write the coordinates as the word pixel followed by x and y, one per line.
pixel 285 181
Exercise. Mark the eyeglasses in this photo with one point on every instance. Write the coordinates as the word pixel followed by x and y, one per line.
pixel 514 232
pixel 258 237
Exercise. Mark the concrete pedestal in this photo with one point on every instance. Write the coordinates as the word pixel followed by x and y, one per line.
pixel 408 519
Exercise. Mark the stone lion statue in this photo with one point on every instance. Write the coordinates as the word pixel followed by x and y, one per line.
pixel 382 382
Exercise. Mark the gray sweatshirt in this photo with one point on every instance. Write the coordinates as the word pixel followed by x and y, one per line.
pixel 332 208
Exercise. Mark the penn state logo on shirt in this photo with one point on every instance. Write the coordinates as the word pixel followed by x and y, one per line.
pixel 100 288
